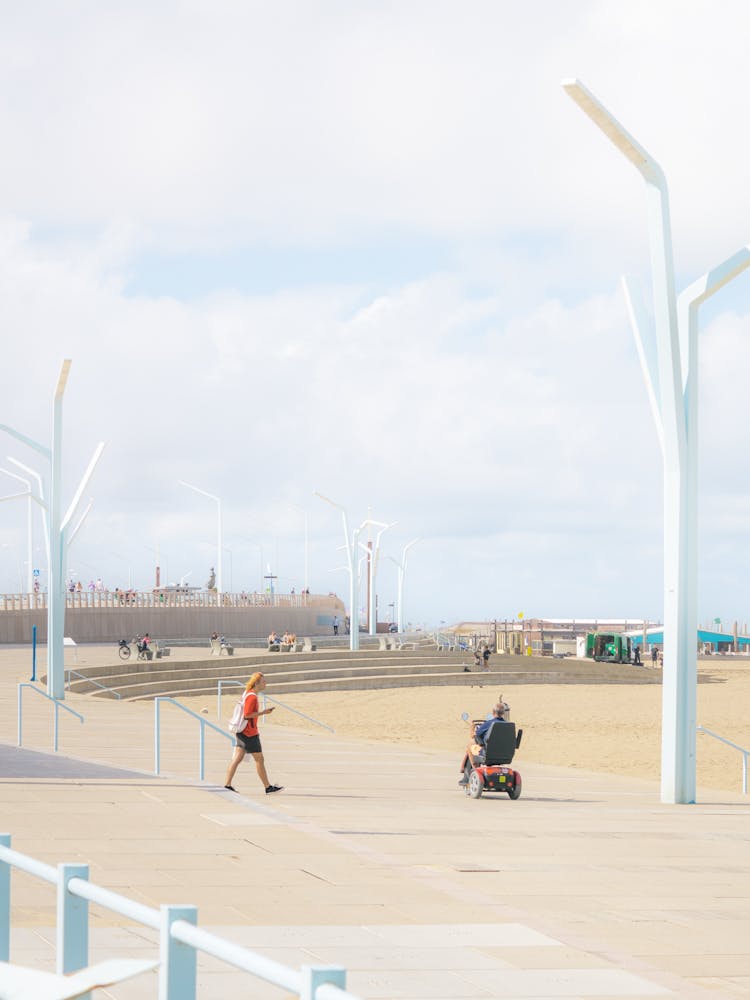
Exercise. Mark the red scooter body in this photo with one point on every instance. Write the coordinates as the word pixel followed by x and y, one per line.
pixel 493 773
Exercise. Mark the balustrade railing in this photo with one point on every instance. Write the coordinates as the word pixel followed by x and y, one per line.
pixel 175 924
pixel 735 746
pixel 165 599
pixel 266 698
pixel 58 705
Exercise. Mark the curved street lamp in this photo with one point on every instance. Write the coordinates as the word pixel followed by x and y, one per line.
pixel 401 566
pixel 675 407
pixel 57 529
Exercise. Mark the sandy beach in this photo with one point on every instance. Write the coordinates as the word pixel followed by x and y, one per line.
pixel 597 727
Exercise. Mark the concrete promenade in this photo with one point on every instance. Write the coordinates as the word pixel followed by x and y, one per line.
pixel 585 887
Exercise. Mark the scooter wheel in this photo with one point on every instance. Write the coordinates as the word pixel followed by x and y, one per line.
pixel 476 785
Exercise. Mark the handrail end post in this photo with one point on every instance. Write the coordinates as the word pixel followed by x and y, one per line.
pixel 4 903
pixel 177 961
pixel 314 976
pixel 72 921
pixel 157 755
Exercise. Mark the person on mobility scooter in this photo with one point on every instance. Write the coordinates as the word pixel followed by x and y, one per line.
pixel 491 749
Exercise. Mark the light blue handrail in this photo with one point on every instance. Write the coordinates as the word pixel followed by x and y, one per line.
pixel 228 683
pixel 177 966
pixel 58 705
pixel 745 753
pixel 202 740
pixel 301 714
pixel 69 671
pixel 224 683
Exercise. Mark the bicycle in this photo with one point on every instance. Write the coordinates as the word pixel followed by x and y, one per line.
pixel 124 650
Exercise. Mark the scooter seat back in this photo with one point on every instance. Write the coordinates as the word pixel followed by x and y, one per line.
pixel 500 745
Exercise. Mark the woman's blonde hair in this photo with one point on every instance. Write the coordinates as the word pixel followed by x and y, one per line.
pixel 253 681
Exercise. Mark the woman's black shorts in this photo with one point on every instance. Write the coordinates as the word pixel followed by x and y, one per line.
pixel 251 744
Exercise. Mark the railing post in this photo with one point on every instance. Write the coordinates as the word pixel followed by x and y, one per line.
pixel 157 754
pixel 4 903
pixel 72 922
pixel 177 961
pixel 314 976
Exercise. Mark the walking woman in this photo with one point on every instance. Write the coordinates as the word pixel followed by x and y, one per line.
pixel 248 740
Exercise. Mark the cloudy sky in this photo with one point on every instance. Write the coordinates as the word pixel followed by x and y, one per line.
pixel 371 249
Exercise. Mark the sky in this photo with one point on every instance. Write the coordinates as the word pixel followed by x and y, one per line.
pixel 370 249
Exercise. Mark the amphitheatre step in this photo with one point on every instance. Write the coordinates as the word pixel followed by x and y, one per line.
pixel 410 680
pixel 265 661
pixel 190 680
pixel 295 674
pixel 124 677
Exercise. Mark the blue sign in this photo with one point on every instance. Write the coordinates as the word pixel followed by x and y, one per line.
pixel 36 572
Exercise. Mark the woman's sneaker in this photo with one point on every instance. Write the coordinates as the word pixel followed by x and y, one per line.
pixel 274 788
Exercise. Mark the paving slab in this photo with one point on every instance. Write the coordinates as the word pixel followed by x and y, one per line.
pixel 585 887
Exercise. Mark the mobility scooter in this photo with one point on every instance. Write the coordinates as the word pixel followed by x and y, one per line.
pixel 487 768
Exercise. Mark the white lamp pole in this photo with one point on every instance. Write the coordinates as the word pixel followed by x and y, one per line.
pixel 373 569
pixel 677 416
pixel 351 545
pixel 42 502
pixel 401 566
pixel 219 545
pixel 57 530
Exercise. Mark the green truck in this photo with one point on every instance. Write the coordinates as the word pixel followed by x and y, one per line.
pixel 608 647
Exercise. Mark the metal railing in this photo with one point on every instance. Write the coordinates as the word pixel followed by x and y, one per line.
pixel 275 701
pixel 202 738
pixel 69 671
pixel 176 925
pixel 169 599
pixel 745 753
pixel 58 705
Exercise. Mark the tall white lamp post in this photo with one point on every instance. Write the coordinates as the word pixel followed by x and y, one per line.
pixel 351 546
pixel 401 566
pixel 59 539
pixel 677 416
pixel 373 554
pixel 219 545
pixel 42 503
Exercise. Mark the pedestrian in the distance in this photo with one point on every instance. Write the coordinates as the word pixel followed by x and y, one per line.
pixel 486 657
pixel 335 625
pixel 654 655
pixel 248 740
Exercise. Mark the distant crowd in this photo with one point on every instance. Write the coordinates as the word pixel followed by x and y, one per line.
pixel 287 639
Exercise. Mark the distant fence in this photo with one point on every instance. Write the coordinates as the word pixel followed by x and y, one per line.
pixel 116 599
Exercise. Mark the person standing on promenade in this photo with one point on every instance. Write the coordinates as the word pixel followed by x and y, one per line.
pixel 248 740
pixel 335 625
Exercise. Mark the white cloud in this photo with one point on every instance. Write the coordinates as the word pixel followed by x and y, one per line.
pixel 493 406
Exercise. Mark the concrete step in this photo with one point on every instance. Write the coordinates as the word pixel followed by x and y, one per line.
pixel 264 661
pixel 190 680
